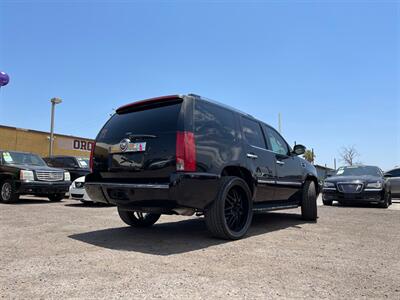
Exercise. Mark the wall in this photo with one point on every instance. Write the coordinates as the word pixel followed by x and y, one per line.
pixel 26 140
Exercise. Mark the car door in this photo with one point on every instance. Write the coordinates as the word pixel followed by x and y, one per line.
pixel 394 180
pixel 259 160
pixel 289 168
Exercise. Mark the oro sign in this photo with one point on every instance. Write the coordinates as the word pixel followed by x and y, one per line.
pixel 83 145
pixel 75 144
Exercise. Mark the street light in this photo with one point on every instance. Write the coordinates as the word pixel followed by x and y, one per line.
pixel 54 102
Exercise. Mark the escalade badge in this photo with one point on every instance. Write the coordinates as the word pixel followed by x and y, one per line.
pixel 124 144
pixel 127 146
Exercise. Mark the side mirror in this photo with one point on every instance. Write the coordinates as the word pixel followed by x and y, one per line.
pixel 299 149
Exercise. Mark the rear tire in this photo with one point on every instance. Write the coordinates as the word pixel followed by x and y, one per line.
pixel 229 216
pixel 8 192
pixel 56 197
pixel 309 202
pixel 138 219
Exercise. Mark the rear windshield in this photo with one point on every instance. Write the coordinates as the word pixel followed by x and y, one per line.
pixel 151 121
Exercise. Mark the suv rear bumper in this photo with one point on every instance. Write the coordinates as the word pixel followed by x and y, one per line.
pixel 42 188
pixel 191 190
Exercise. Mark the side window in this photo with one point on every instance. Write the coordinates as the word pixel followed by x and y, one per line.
pixel 253 133
pixel 58 162
pixel 213 121
pixel 70 162
pixel 395 173
pixel 277 143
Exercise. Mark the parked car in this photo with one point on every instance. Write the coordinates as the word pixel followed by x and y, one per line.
pixel 76 166
pixel 26 173
pixel 77 190
pixel 357 184
pixel 393 176
pixel 186 154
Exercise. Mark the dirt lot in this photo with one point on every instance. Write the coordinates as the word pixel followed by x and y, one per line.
pixel 69 250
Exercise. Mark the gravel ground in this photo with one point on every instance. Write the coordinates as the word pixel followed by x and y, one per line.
pixel 70 250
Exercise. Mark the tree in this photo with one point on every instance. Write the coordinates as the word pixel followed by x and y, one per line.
pixel 309 156
pixel 349 154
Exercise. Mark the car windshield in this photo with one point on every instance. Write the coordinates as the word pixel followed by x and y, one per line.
pixel 83 162
pixel 19 158
pixel 359 171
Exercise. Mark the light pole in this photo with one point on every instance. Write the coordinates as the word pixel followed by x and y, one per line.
pixel 53 101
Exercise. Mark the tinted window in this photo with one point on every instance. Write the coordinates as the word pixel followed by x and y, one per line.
pixel 276 142
pixel 69 162
pixel 252 133
pixel 394 173
pixel 213 121
pixel 150 121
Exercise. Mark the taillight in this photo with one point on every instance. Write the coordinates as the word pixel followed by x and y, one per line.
pixel 185 152
pixel 91 156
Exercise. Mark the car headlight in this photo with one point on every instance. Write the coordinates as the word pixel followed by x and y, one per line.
pixel 329 184
pixel 67 176
pixel 26 175
pixel 375 185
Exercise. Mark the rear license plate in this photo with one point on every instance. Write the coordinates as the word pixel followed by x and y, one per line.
pixel 129 147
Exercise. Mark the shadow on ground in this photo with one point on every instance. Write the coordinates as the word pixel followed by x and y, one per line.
pixel 87 204
pixel 179 237
pixel 23 201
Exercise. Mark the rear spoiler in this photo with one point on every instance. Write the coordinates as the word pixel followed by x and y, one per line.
pixel 143 104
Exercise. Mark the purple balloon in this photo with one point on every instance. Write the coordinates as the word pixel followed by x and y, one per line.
pixel 4 79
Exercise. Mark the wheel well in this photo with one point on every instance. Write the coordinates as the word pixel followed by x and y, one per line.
pixel 315 180
pixel 241 173
pixel 5 177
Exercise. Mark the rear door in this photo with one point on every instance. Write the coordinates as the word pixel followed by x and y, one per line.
pixel 260 160
pixel 139 143
pixel 289 168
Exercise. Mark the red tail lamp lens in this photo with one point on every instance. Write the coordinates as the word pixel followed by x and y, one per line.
pixel 185 152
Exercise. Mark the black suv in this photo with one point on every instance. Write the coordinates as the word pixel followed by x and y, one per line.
pixel 186 154
pixel 76 166
pixel 26 173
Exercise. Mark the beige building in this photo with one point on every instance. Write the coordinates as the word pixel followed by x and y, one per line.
pixel 28 140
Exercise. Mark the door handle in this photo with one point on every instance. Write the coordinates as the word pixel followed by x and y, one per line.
pixel 279 162
pixel 252 156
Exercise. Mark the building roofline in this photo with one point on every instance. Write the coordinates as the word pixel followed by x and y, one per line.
pixel 45 132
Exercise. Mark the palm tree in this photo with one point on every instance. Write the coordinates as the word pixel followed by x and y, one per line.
pixel 309 156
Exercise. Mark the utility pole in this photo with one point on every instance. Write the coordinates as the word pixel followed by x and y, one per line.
pixel 334 163
pixel 54 102
pixel 279 123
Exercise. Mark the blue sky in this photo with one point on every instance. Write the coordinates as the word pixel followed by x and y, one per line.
pixel 330 68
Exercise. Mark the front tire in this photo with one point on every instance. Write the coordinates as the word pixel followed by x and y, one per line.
pixel 8 192
pixel 56 197
pixel 138 219
pixel 229 216
pixel 309 202
pixel 386 203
